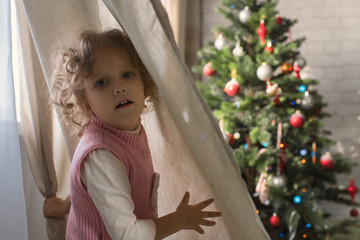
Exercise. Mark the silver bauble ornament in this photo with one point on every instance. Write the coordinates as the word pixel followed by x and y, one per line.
pixel 244 15
pixel 307 101
pixel 264 72
pixel 300 61
pixel 278 181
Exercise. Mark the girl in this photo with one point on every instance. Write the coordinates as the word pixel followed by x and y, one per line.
pixel 102 87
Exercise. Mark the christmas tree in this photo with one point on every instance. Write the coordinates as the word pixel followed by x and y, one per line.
pixel 272 120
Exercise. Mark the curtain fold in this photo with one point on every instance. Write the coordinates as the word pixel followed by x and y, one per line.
pixel 14 225
pixel 187 146
pixel 47 151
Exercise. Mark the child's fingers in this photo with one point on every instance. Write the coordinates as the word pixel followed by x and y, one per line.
pixel 186 198
pixel 205 222
pixel 210 214
pixel 199 229
pixel 204 204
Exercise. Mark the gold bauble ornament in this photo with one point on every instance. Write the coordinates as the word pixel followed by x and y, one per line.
pixel 286 67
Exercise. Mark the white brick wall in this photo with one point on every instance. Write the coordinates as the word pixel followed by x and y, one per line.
pixel 332 51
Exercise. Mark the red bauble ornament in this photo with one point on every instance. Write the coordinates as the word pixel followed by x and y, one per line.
pixel 275 220
pixel 352 189
pixel 277 101
pixel 297 120
pixel 327 161
pixel 354 212
pixel 278 19
pixel 232 88
pixel 208 71
pixel 262 32
pixel 269 48
pixel 231 139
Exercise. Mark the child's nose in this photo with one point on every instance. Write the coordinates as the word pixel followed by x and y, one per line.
pixel 119 88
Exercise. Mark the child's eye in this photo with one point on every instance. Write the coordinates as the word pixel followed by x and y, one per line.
pixel 101 82
pixel 128 75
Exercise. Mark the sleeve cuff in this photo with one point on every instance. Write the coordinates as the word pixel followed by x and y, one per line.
pixel 148 229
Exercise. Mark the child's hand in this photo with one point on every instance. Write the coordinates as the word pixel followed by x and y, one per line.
pixel 185 217
pixel 193 216
pixel 56 207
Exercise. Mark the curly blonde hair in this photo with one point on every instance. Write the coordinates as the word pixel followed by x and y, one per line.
pixel 74 65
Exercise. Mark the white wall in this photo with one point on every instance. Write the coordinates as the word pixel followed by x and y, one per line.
pixel 332 51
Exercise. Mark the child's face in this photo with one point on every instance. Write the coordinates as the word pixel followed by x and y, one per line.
pixel 115 89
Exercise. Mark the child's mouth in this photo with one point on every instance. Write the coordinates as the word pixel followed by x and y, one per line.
pixel 123 104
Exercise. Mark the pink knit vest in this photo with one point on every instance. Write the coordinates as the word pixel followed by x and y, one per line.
pixel 84 221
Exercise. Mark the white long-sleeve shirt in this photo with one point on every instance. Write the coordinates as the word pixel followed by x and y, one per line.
pixel 108 185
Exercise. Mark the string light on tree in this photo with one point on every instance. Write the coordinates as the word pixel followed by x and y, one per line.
pixel 303 152
pixel 297 199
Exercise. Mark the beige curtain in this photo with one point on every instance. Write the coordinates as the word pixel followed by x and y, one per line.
pixel 176 10
pixel 45 147
pixel 187 146
pixel 185 20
